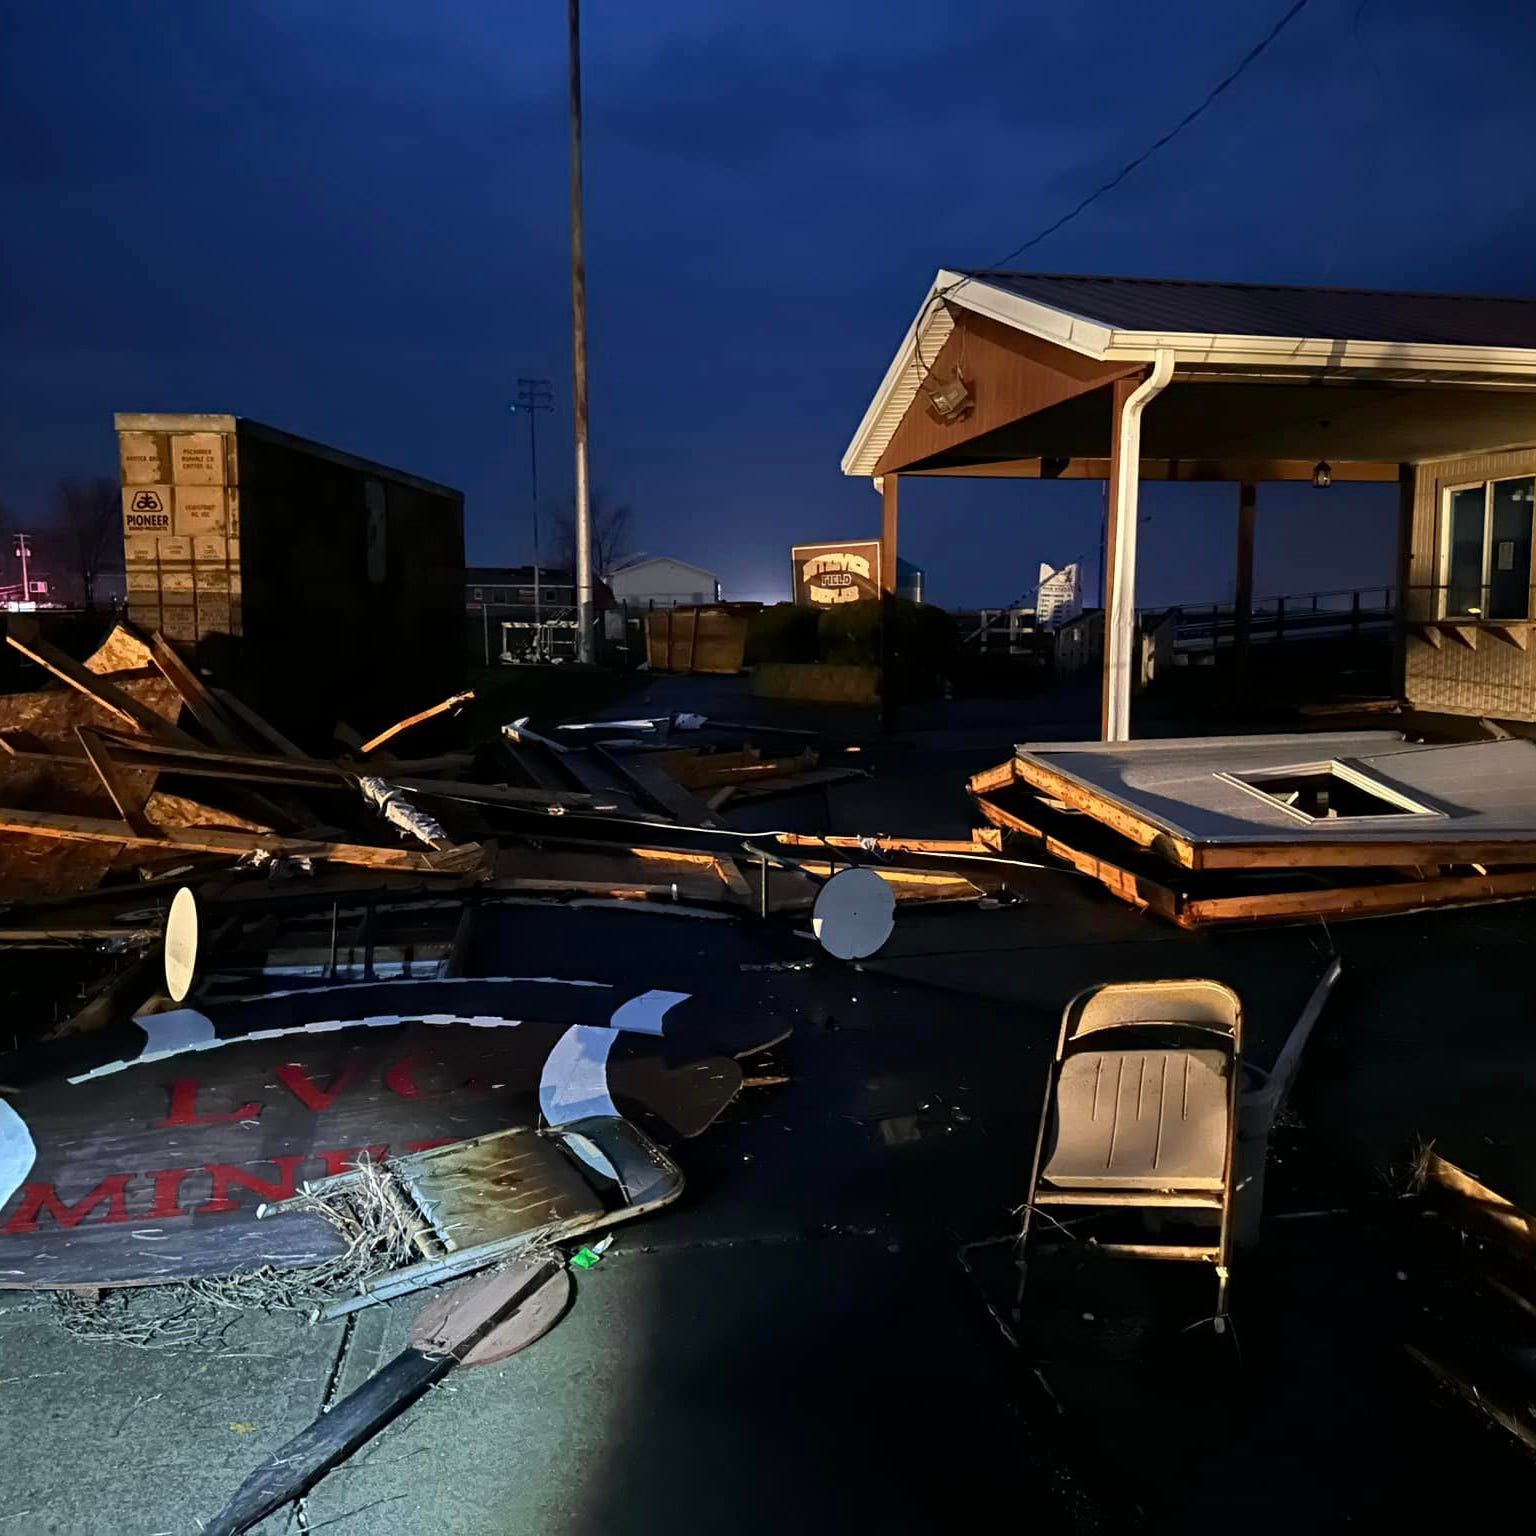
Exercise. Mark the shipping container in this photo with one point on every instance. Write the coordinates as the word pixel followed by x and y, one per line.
pixel 322 586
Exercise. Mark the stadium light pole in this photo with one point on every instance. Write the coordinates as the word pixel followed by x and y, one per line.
pixel 533 396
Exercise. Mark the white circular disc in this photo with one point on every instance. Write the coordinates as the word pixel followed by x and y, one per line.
pixel 181 945
pixel 854 914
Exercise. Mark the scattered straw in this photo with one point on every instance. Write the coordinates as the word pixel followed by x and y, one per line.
pixel 375 1224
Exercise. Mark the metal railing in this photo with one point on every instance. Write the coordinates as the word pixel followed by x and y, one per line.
pixel 1464 603
pixel 1010 631
pixel 1294 616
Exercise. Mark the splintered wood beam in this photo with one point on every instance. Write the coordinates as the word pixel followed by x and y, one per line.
pixel 885 844
pixel 202 705
pixel 234 844
pixel 130 804
pixel 989 779
pixel 253 722
pixel 1487 1210
pixel 390 732
pixel 703 773
pixel 97 689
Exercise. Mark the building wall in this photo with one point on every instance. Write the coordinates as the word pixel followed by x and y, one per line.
pixel 1494 676
pixel 664 583
pixel 1080 644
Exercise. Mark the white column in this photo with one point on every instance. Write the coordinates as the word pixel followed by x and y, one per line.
pixel 1120 599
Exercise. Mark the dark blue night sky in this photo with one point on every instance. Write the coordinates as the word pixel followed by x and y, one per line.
pixel 349 220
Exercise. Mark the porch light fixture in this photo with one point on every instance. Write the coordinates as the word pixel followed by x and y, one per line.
pixel 1322 474
pixel 949 400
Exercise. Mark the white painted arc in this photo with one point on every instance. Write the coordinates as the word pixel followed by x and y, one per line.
pixel 17 1151
pixel 574 1082
pixel 415 981
pixel 647 1013
pixel 178 1031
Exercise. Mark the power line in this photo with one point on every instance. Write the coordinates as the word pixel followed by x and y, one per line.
pixel 1114 181
pixel 1189 117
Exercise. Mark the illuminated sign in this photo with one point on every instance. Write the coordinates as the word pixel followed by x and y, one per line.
pixel 828 574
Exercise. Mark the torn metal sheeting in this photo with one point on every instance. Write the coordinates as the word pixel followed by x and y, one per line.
pixel 392 805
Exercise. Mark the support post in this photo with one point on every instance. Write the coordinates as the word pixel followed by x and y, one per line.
pixel 888 535
pixel 1120 648
pixel 1242 615
pixel 888 531
pixel 585 647
pixel 1406 479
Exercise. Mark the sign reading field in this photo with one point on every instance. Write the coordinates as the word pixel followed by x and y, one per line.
pixel 824 574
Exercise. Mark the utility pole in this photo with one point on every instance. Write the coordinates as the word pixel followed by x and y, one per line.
pixel 533 396
pixel 584 636
pixel 23 550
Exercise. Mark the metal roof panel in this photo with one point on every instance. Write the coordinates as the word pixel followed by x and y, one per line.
pixel 1255 309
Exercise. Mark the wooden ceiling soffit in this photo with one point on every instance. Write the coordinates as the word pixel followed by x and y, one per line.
pixel 1256 471
pixel 1011 374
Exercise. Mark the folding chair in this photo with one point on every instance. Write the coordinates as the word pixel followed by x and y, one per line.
pixel 1140 1115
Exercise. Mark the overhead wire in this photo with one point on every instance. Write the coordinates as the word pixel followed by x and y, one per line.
pixel 1126 170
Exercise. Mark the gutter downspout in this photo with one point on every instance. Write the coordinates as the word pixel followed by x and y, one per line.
pixel 1120 640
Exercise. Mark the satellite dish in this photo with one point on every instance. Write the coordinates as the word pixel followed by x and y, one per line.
pixel 181 945
pixel 854 914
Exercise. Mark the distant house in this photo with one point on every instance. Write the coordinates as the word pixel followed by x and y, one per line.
pixel 501 586
pixel 659 582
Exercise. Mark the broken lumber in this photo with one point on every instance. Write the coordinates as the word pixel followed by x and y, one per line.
pixel 814 778
pixel 255 723
pixel 127 800
pixel 96 688
pixel 200 703
pixel 1488 1212
pixel 454 701
pixel 297 1466
pixel 235 844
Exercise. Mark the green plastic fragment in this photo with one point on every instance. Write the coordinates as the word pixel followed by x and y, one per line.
pixel 585 1258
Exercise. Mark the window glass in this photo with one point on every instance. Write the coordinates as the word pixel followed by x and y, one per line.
pixel 1509 550
pixel 1464 556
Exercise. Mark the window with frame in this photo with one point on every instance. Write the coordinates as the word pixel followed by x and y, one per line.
pixel 1486 550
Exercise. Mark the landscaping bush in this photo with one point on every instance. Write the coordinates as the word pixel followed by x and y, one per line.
pixel 782 632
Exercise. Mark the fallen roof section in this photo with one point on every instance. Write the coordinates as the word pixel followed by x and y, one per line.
pixel 1298 801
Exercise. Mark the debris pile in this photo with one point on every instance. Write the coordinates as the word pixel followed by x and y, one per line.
pixel 1278 828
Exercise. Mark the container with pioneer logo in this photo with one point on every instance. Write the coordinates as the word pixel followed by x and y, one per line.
pixel 347 581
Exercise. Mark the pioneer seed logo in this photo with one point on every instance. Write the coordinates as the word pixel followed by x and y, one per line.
pixel 147 514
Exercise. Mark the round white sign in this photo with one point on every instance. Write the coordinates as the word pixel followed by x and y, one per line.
pixel 854 914
pixel 181 945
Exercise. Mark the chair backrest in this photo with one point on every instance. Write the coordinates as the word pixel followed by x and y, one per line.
pixel 1203 1004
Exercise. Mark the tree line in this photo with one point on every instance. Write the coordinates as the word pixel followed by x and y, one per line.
pixel 79 541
